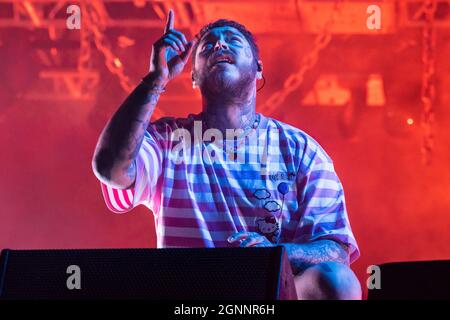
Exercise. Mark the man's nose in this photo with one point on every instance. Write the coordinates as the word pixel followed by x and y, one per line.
pixel 220 45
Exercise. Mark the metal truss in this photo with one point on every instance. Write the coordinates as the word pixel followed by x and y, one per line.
pixel 266 17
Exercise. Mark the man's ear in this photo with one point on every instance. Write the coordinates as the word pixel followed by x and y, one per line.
pixel 259 69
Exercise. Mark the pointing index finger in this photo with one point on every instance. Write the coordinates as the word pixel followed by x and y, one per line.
pixel 169 24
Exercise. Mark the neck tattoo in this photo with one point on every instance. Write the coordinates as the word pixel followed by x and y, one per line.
pixel 248 131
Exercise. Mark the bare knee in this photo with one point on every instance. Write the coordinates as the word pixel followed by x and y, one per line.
pixel 328 280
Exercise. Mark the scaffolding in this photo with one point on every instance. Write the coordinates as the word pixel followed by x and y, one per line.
pixel 98 16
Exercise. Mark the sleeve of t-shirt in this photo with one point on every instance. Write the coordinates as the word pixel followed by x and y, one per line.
pixel 322 205
pixel 148 171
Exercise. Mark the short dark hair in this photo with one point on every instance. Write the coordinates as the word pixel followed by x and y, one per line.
pixel 228 23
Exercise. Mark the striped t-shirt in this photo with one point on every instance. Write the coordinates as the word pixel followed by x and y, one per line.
pixel 277 181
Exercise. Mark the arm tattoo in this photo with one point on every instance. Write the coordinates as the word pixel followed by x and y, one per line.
pixel 135 139
pixel 122 137
pixel 303 256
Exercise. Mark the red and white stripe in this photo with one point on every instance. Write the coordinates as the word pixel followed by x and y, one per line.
pixel 118 201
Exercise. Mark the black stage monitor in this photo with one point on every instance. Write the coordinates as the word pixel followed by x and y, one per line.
pixel 191 273
pixel 416 280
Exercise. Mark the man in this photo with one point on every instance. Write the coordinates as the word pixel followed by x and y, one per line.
pixel 289 196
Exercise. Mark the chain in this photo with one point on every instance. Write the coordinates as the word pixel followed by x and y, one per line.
pixel 428 85
pixel 294 80
pixel 84 59
pixel 92 21
pixel 232 151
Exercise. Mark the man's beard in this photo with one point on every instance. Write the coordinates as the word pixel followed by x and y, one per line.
pixel 218 83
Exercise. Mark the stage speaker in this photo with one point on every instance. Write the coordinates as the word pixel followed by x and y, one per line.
pixel 418 280
pixel 184 274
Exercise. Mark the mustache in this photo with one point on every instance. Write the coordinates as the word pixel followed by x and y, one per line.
pixel 221 54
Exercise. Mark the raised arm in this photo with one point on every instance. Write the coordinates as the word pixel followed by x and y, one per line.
pixel 118 145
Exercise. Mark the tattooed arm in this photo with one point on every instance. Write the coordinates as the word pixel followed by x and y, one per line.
pixel 121 139
pixel 114 159
pixel 303 256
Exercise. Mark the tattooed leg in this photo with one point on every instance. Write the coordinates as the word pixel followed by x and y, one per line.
pixel 322 271
pixel 328 280
pixel 305 255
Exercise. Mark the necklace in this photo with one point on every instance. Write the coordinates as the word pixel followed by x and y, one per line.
pixel 231 152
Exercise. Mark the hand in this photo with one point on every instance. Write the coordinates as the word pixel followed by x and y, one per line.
pixel 170 53
pixel 250 239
